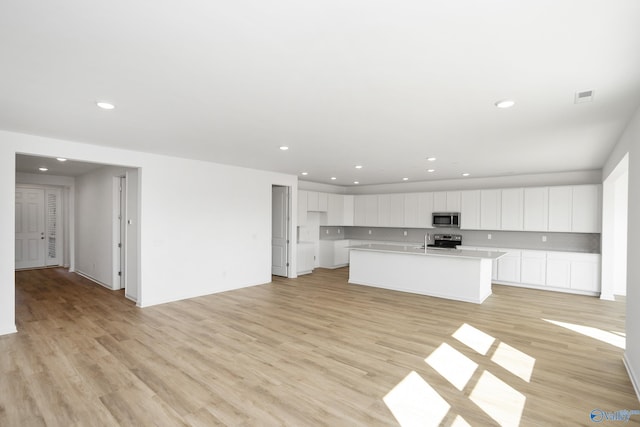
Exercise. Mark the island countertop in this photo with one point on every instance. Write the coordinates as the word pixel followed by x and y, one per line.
pixel 417 250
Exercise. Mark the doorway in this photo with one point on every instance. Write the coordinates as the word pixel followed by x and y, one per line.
pixel 38 230
pixel 280 230
pixel 119 231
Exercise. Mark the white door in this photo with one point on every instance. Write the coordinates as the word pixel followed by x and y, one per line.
pixel 30 228
pixel 280 231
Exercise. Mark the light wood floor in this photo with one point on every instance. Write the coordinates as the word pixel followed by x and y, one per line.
pixel 309 351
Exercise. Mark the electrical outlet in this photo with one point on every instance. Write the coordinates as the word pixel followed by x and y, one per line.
pixel 326 231
pixel 339 231
pixel 369 231
pixel 405 233
pixel 489 236
pixel 544 238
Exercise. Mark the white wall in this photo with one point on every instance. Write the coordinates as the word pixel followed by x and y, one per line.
pixel 205 227
pixel 94 224
pixel 621 206
pixel 630 142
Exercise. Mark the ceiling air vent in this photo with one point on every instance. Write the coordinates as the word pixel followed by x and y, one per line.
pixel 584 96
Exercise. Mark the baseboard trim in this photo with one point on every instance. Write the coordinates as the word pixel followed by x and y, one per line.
pixel 635 380
pixel 8 330
pixel 93 279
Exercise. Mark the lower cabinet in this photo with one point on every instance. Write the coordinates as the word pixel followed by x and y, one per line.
pixel 334 253
pixel 573 272
pixel 306 257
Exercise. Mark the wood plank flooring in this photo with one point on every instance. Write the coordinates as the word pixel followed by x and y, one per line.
pixel 305 352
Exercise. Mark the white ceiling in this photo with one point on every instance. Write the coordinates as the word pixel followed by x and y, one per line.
pixel 383 84
pixel 32 164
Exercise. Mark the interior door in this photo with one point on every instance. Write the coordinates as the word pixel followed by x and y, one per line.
pixel 30 228
pixel 280 231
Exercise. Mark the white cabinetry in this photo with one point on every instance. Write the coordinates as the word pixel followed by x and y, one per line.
pixel 306 257
pixel 317 202
pixel 576 271
pixel 366 210
pixel 453 201
pixel 509 266
pixel 339 210
pixel 536 209
pixel 586 207
pixel 512 209
pixel 490 205
pixel 470 209
pixel 558 269
pixel 560 200
pixel 302 208
pixel 533 268
pixel 391 210
pixel 418 208
pixel 334 253
pixel 446 201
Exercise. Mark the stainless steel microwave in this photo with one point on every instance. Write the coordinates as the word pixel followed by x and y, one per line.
pixel 446 219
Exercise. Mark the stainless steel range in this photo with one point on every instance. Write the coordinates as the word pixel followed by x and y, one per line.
pixel 445 241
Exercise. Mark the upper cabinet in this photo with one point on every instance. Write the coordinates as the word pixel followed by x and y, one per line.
pixel 560 201
pixel 490 208
pixel 391 210
pixel 470 209
pixel 536 209
pixel 512 209
pixel 317 202
pixel 366 210
pixel 339 210
pixel 302 207
pixel 446 201
pixel 586 209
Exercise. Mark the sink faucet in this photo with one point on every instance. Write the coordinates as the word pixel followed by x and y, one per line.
pixel 427 237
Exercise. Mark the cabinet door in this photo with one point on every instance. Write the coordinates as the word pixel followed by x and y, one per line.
pixel 533 268
pixel 453 201
pixel 585 272
pixel 322 202
pixel 558 270
pixel 348 210
pixel 509 267
pixel 411 210
pixel 470 210
pixel 536 209
pixel 384 210
pixel 425 210
pixel 302 208
pixel 396 210
pixel 560 203
pixel 490 209
pixel 341 255
pixel 371 210
pixel 312 201
pixel 360 210
pixel 335 209
pixel 512 209
pixel 586 207
pixel 440 201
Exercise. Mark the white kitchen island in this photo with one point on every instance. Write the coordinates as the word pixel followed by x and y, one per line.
pixel 463 275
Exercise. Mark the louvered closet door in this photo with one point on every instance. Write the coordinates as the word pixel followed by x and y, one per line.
pixel 53 227
pixel 30 228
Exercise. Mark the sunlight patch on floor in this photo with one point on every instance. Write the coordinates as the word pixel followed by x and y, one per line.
pixel 413 402
pixel 474 338
pixel 513 360
pixel 454 366
pixel 595 333
pixel 498 399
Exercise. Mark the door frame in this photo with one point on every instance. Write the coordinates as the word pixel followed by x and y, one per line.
pixel 119 239
pixel 288 228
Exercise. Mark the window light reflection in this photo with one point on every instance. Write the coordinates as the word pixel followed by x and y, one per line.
pixel 513 360
pixel 595 333
pixel 454 366
pixel 474 338
pixel 498 399
pixel 413 402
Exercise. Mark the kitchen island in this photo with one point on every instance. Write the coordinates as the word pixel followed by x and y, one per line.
pixel 458 274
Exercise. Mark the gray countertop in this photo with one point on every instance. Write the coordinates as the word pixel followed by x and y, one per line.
pixel 417 250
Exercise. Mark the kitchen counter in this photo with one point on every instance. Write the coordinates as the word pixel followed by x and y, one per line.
pixel 418 250
pixel 461 275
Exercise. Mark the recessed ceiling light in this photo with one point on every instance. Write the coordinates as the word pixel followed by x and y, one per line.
pixel 431 159
pixel 505 103
pixel 358 166
pixel 466 174
pixel 61 159
pixel 43 169
pixel 105 105
pixel 284 148
pixel 305 173
pixel 405 179
pixel 333 178
pixel 356 182
pixel 431 170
